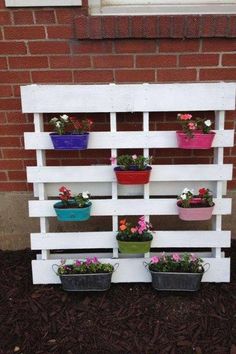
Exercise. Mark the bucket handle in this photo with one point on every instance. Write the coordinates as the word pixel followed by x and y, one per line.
pixel 206 264
pixel 53 268
pixel 116 266
pixel 145 264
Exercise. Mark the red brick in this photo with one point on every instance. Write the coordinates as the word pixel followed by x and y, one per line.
pixel 95 27
pixel 65 15
pixel 75 61
pixel 207 25
pixel 82 27
pixel 219 45
pixel 16 117
pixel 113 61
pixel 12 48
pixel 150 26
pixel 221 26
pixel 199 60
pixel 5 91
pixel 178 26
pixel 155 61
pixel 15 129
pixel 23 17
pixel 165 25
pixel 135 46
pixel 9 104
pixel 15 186
pixel 3 176
pixel 95 46
pixel 28 62
pixel 229 60
pixel 109 27
pixel 192 26
pixel 5 18
pixel 14 77
pixel 2 118
pixel 11 165
pixel 62 32
pixel 179 45
pixel 16 175
pixel 135 75
pixel 136 26
pixel 232 26
pixel 218 74
pixel 45 16
pixel 122 26
pixel 52 76
pixel 49 47
pixel 3 63
pixel 10 141
pixel 176 75
pixel 22 32
pixel 93 76
pixel 191 160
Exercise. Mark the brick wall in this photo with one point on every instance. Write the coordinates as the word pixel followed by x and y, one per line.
pixel 64 45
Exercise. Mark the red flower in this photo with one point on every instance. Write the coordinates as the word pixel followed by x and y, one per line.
pixel 202 191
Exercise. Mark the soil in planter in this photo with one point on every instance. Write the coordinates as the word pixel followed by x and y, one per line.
pixel 197 205
pixel 72 206
pixel 127 319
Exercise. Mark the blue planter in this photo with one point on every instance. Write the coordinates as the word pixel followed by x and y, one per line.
pixel 72 214
pixel 70 141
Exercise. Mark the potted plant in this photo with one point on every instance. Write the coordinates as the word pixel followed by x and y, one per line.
pixel 134 238
pixel 196 133
pixel 192 207
pixel 70 208
pixel 132 169
pixel 88 275
pixel 176 272
pixel 62 139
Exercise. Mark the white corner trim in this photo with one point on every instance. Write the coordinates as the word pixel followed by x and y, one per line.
pixel 40 3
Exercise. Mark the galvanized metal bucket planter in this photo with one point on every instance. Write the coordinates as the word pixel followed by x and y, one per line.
pixel 134 247
pixel 70 141
pixel 86 282
pixel 171 281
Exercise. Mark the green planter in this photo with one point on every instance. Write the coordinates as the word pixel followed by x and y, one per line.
pixel 134 247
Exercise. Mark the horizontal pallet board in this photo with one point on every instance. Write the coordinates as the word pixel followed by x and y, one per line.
pixel 106 173
pixel 130 270
pixel 128 98
pixel 127 140
pixel 109 207
pixel 105 240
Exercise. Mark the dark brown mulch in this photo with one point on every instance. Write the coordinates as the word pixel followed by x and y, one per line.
pixel 128 319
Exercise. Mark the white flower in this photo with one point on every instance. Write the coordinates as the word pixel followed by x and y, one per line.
pixel 186 190
pixel 54 119
pixel 183 196
pixel 134 157
pixel 85 195
pixel 64 117
pixel 58 124
pixel 208 122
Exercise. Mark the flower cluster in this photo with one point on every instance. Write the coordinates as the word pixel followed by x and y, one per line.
pixel 80 201
pixel 186 263
pixel 132 162
pixel 204 197
pixel 78 127
pixel 130 232
pixel 190 125
pixel 89 266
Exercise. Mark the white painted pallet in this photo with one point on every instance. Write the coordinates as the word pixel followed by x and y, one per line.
pixel 166 180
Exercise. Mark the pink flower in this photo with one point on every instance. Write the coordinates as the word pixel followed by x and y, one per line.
pixel 88 261
pixel 134 157
pixel 192 126
pixel 155 259
pixel 185 116
pixel 176 257
pixel 113 160
pixel 133 229
pixel 77 263
pixel 95 260
pixel 193 258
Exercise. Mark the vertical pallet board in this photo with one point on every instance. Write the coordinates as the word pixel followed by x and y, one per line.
pixel 165 180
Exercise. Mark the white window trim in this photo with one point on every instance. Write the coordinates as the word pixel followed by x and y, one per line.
pixel 40 3
pixel 161 7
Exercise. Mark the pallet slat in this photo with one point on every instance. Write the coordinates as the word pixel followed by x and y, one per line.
pixel 130 270
pixel 109 207
pixel 128 98
pixel 134 140
pixel 107 240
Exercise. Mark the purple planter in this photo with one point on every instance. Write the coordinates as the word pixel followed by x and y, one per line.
pixel 191 214
pixel 70 141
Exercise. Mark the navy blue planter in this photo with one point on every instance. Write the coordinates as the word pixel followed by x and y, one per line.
pixel 70 141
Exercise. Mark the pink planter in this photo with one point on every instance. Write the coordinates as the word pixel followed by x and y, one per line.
pixel 198 141
pixel 191 214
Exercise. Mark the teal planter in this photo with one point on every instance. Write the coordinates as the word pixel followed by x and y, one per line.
pixel 72 214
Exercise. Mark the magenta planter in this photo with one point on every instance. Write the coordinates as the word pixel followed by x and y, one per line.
pixel 198 213
pixel 198 141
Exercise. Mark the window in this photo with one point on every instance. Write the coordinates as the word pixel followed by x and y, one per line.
pixel 29 3
pixel 165 7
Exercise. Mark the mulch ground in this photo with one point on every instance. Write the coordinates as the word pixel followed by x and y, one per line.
pixel 128 319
